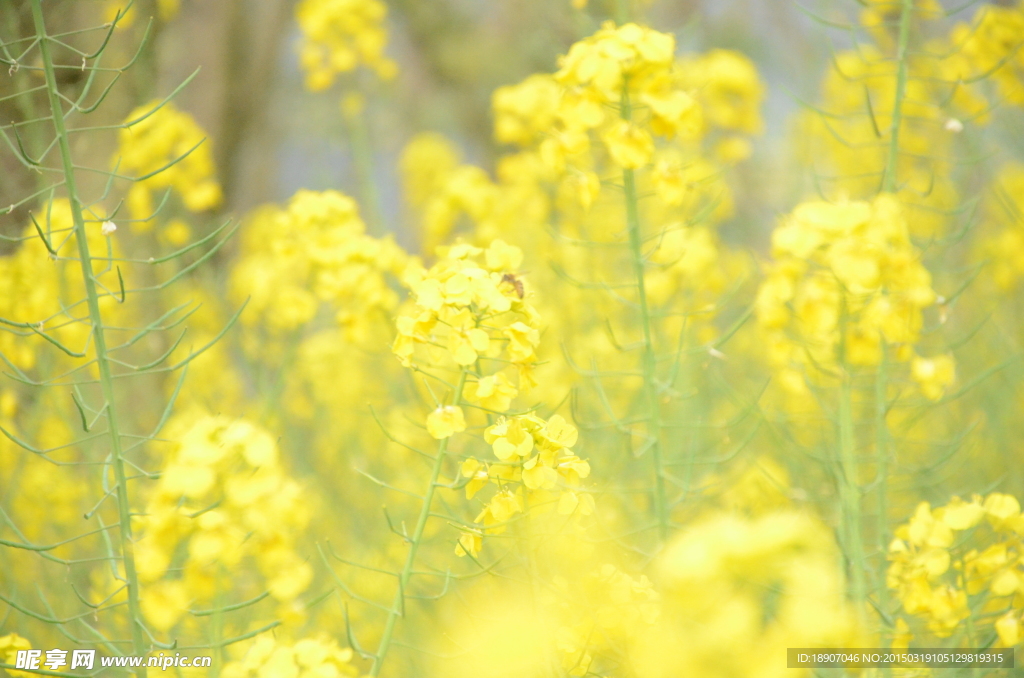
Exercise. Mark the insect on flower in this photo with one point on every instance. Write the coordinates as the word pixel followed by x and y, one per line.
pixel 515 282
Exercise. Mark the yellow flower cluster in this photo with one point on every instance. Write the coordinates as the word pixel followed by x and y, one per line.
pixel 442 189
pixel 32 479
pixel 9 647
pixel 729 89
pixel 614 179
pixel 600 614
pixel 222 496
pixel 167 10
pixel 163 136
pixel 569 130
pixel 535 458
pixel 315 251
pixel 846 281
pixel 616 67
pixel 847 142
pixel 29 288
pixel 581 623
pixel 622 101
pixel 1003 247
pixel 470 309
pixel 632 69
pixel 571 134
pixel 49 295
pixel 767 583
pixel 964 550
pixel 340 35
pixel 690 260
pixel 307 658
pixel 992 45
pixel 880 17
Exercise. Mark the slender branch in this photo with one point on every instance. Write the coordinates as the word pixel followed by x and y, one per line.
pixel 99 337
pixel 398 606
pixel 889 179
pixel 649 359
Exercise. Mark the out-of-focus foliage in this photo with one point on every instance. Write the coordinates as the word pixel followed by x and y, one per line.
pixel 569 417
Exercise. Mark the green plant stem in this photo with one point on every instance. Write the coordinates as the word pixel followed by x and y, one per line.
pixel 903 41
pixel 649 357
pixel 414 544
pixel 882 462
pixel 99 341
pixel 217 630
pixel 850 496
pixel 362 157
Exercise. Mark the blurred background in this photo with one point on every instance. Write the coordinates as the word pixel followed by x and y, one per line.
pixel 764 413
pixel 272 136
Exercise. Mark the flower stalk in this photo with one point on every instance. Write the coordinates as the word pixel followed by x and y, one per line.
pixel 139 646
pixel 398 605
pixel 903 42
pixel 649 358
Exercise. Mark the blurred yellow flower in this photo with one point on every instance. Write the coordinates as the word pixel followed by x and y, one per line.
pixel 446 421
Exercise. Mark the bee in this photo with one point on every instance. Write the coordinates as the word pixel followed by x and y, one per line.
pixel 515 282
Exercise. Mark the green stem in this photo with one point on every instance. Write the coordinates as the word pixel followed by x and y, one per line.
pixel 882 460
pixel 649 356
pixel 99 341
pixel 414 544
pixel 217 629
pixel 850 496
pixel 362 157
pixel 889 180
pixel 969 622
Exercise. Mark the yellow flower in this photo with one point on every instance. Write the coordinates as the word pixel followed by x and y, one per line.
pixel 558 433
pixel 9 647
pixel 630 146
pixel 1001 508
pixel 291 576
pixel 674 111
pixel 191 480
pixel 493 392
pixel 571 502
pixel 602 60
pixel 470 543
pixel 467 312
pixel 585 186
pixel 502 507
pixel 446 421
pixel 162 135
pixel 522 340
pixel 537 475
pixel 478 475
pixel 933 375
pixel 509 438
pixel 270 657
pixel 338 36
pixel 961 515
pixel 728 87
pixel 501 256
pixel 466 344
pixel 1008 628
pixel 573 469
pixel 163 603
pixel 524 112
